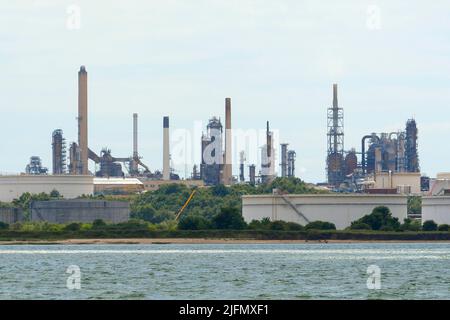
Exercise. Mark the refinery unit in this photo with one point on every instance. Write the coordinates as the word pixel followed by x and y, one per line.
pixel 383 158
pixel 107 164
pixel 393 154
pixel 215 166
pixel 386 162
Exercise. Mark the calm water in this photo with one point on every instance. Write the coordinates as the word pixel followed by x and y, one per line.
pixel 213 271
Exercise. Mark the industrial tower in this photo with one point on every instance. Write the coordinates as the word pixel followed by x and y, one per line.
pixel 335 151
pixel 59 152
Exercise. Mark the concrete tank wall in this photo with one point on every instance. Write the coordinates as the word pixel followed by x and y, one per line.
pixel 69 186
pixel 66 211
pixel 436 209
pixel 11 215
pixel 336 208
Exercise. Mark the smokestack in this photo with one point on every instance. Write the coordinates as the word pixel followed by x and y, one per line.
pixel 134 163
pixel 83 120
pixel 284 161
pixel 135 135
pixel 166 149
pixel 268 141
pixel 335 96
pixel 227 172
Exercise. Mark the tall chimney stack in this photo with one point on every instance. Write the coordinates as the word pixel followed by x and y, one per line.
pixel 134 163
pixel 335 96
pixel 166 149
pixel 83 120
pixel 227 170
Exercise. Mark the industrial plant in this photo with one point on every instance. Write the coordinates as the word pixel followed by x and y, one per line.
pixel 386 169
pixel 124 174
pixel 386 162
pixel 392 154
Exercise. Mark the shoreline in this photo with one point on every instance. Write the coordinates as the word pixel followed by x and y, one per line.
pixel 139 241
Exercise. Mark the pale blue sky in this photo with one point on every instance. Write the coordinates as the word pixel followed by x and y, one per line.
pixel 277 60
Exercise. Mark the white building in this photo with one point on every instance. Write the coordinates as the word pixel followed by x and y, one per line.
pixel 336 208
pixel 436 208
pixel 404 182
pixel 69 186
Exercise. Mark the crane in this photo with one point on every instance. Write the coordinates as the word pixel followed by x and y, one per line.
pixel 185 204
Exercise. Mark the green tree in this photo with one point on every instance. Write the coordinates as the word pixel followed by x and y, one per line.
pixel 444 227
pixel 98 224
pixel 229 218
pixel 55 194
pixel 278 225
pixel 292 226
pixel 429 225
pixel 194 222
pixel 320 225
pixel 410 225
pixel 3 225
pixel 360 226
pixel 380 217
pixel 73 227
pixel 414 205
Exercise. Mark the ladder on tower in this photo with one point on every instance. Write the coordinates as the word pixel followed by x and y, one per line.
pixel 294 207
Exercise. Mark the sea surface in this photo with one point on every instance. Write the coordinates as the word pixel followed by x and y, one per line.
pixel 226 271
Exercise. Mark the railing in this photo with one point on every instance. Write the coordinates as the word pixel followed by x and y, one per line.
pixel 294 207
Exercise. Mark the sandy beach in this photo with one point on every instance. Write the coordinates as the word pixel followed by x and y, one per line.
pixel 199 241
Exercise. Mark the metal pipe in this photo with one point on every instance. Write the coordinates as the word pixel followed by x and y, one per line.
pixel 363 150
pixel 166 149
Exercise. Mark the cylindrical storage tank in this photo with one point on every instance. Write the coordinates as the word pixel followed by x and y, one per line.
pixel 335 161
pixel 351 162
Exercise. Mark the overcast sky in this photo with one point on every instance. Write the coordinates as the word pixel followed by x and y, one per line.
pixel 277 60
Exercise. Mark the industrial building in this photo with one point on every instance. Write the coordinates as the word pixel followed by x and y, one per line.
pixel 12 187
pixel 59 152
pixel 268 158
pixel 389 161
pixel 436 208
pixel 335 147
pixel 87 211
pixel 117 186
pixel 216 161
pixel 394 182
pixel 152 185
pixel 439 186
pixel 211 168
pixel 340 209
pixel 11 215
pixel 287 161
pixel 35 166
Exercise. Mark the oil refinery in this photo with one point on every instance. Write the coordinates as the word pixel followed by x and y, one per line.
pixel 391 154
pixel 386 162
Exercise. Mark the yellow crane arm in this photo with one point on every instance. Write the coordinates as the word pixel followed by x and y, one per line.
pixel 185 205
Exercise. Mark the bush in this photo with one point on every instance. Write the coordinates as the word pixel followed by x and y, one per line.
pixel 229 218
pixel 98 224
pixel 387 228
pixel 429 225
pixel 192 222
pixel 257 225
pixel 380 216
pixel 320 225
pixel 443 227
pixel 410 225
pixel 292 226
pixel 3 225
pixel 278 225
pixel 148 213
pixel 73 227
pixel 266 224
pixel 133 224
pixel 360 226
